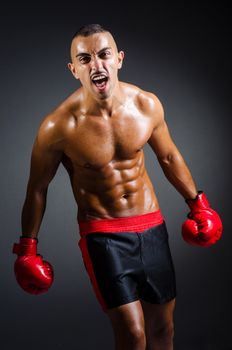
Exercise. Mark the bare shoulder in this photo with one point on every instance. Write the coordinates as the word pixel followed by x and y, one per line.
pixel 147 102
pixel 50 131
pixel 53 127
pixel 151 106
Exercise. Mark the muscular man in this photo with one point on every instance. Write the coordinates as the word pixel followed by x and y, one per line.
pixel 98 134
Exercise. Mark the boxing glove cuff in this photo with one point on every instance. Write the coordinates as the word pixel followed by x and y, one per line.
pixel 200 202
pixel 26 246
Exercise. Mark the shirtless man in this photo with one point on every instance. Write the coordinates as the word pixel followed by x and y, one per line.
pixel 98 134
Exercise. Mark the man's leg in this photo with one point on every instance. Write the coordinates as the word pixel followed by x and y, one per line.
pixel 159 327
pixel 128 325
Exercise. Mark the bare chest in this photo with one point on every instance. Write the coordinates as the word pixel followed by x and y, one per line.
pixel 96 141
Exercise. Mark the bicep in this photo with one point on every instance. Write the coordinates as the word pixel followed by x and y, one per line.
pixel 160 140
pixel 45 160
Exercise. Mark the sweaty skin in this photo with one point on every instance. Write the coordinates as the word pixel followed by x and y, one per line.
pixel 98 136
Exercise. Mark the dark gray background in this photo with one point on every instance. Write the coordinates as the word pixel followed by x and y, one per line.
pixel 182 54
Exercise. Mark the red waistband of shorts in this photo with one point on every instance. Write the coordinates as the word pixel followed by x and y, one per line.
pixel 122 224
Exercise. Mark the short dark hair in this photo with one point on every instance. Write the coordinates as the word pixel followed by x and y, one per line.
pixel 89 29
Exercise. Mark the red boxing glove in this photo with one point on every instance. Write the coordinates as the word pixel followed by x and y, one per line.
pixel 33 274
pixel 204 226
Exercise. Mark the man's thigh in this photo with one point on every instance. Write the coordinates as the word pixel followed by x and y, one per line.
pixel 140 316
pixel 127 322
pixel 157 316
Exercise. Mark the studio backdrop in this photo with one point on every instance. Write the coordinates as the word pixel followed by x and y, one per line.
pixel 180 53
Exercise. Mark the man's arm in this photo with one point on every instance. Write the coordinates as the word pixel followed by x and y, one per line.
pixel 33 274
pixel 169 157
pixel 45 159
pixel 203 226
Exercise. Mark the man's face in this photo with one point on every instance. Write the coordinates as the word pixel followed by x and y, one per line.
pixel 95 62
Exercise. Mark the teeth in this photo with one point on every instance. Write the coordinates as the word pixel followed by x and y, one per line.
pixel 99 77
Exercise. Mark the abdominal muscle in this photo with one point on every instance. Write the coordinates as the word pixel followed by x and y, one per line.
pixel 119 189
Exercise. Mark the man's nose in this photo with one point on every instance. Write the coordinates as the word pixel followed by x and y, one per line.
pixel 96 63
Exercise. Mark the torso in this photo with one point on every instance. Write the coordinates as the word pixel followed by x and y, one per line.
pixel 104 158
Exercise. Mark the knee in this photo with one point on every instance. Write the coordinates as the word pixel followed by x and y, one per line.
pixel 136 336
pixel 165 332
pixel 137 332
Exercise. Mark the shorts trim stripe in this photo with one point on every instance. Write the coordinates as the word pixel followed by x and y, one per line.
pixel 89 268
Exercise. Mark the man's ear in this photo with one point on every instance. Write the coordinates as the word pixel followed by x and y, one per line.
pixel 71 67
pixel 120 59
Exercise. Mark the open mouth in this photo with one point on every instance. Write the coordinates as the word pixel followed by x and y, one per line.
pixel 100 81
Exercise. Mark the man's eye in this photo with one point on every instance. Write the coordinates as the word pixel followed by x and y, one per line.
pixel 84 59
pixel 104 54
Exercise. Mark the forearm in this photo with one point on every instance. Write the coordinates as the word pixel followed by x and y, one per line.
pixel 178 174
pixel 33 211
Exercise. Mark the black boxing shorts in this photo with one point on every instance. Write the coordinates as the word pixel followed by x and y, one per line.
pixel 127 259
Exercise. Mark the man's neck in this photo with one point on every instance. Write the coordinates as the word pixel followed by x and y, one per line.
pixel 104 107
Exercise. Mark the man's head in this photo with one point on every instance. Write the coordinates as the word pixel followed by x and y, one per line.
pixel 95 60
